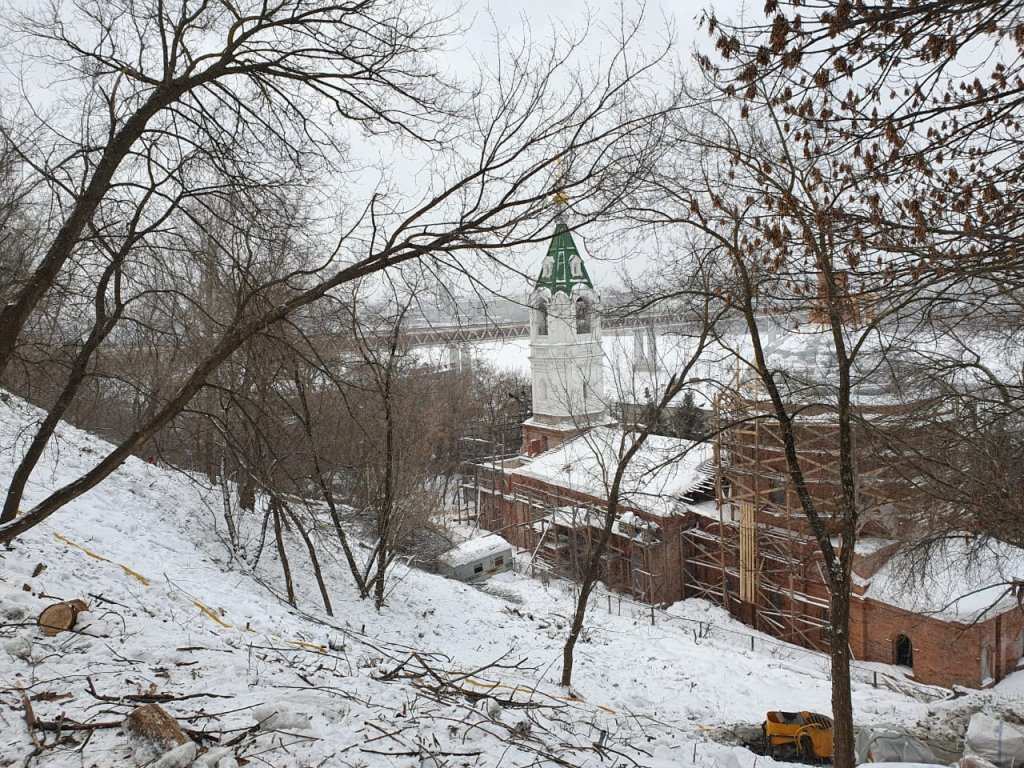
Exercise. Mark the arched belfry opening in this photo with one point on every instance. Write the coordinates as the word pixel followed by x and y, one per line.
pixel 903 652
pixel 542 318
pixel 584 315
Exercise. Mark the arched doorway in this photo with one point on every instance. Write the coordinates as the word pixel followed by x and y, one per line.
pixel 904 652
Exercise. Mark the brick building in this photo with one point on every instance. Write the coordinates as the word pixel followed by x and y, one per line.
pixel 719 521
pixel 551 506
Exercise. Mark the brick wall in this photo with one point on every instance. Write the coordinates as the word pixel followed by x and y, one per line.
pixel 506 513
pixel 945 653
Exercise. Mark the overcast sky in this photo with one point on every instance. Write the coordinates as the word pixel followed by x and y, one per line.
pixel 543 17
pixel 512 20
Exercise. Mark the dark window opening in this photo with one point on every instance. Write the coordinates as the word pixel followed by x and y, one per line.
pixel 499 561
pixel 582 316
pixel 478 569
pixel 904 652
pixel 542 319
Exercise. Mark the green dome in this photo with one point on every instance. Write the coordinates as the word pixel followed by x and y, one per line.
pixel 562 256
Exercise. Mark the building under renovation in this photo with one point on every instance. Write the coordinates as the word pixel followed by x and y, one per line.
pixel 718 520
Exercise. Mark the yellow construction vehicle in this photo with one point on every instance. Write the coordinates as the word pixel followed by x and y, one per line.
pixel 807 733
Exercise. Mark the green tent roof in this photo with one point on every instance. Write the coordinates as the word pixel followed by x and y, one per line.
pixel 562 252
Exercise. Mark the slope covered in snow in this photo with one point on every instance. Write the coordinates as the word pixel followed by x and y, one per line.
pixel 174 619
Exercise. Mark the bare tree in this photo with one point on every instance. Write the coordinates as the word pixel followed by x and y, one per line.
pixel 491 190
pixel 173 88
pixel 770 206
pixel 621 478
pixel 392 422
pixel 918 107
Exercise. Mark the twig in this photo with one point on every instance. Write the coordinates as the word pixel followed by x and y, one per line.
pixel 151 698
pixel 30 720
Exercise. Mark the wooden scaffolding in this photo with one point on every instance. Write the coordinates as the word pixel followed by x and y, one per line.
pixel 556 530
pixel 757 559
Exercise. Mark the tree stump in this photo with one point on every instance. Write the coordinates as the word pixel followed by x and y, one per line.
pixel 60 617
pixel 151 725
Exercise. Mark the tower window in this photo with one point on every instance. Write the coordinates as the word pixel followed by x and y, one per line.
pixel 576 266
pixel 542 318
pixel 583 313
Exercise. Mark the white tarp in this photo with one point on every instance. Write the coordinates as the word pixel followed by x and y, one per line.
pixel 891 745
pixel 996 741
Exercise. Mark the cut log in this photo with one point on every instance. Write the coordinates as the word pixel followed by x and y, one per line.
pixel 152 726
pixel 60 617
pixel 57 618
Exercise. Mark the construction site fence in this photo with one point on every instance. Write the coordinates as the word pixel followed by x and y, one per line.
pixel 801 660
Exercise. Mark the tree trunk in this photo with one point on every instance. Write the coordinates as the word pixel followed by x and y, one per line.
pixel 229 514
pixel 246 492
pixel 325 489
pixel 384 521
pixel 275 510
pixel 262 542
pixel 593 566
pixel 577 627
pixel 842 702
pixel 316 563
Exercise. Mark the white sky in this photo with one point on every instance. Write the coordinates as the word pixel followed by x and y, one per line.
pixel 512 20
pixel 605 260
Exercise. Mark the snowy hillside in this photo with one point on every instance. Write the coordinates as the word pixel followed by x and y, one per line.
pixel 254 680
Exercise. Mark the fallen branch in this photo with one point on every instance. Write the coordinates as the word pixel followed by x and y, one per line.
pixel 30 720
pixel 151 698
pixel 420 753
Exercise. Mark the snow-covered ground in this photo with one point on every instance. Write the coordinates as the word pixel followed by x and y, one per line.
pixel 171 617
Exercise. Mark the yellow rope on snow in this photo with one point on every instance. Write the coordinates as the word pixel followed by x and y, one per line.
pixel 211 614
pixel 318 647
pixel 134 574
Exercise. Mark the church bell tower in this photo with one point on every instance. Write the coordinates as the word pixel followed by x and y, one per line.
pixel 566 359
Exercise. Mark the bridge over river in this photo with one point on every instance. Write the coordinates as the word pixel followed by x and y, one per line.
pixel 498 330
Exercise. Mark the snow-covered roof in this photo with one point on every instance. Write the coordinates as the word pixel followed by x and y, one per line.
pixel 959 580
pixel 472 550
pixel 707 508
pixel 661 473
pixel 571 517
